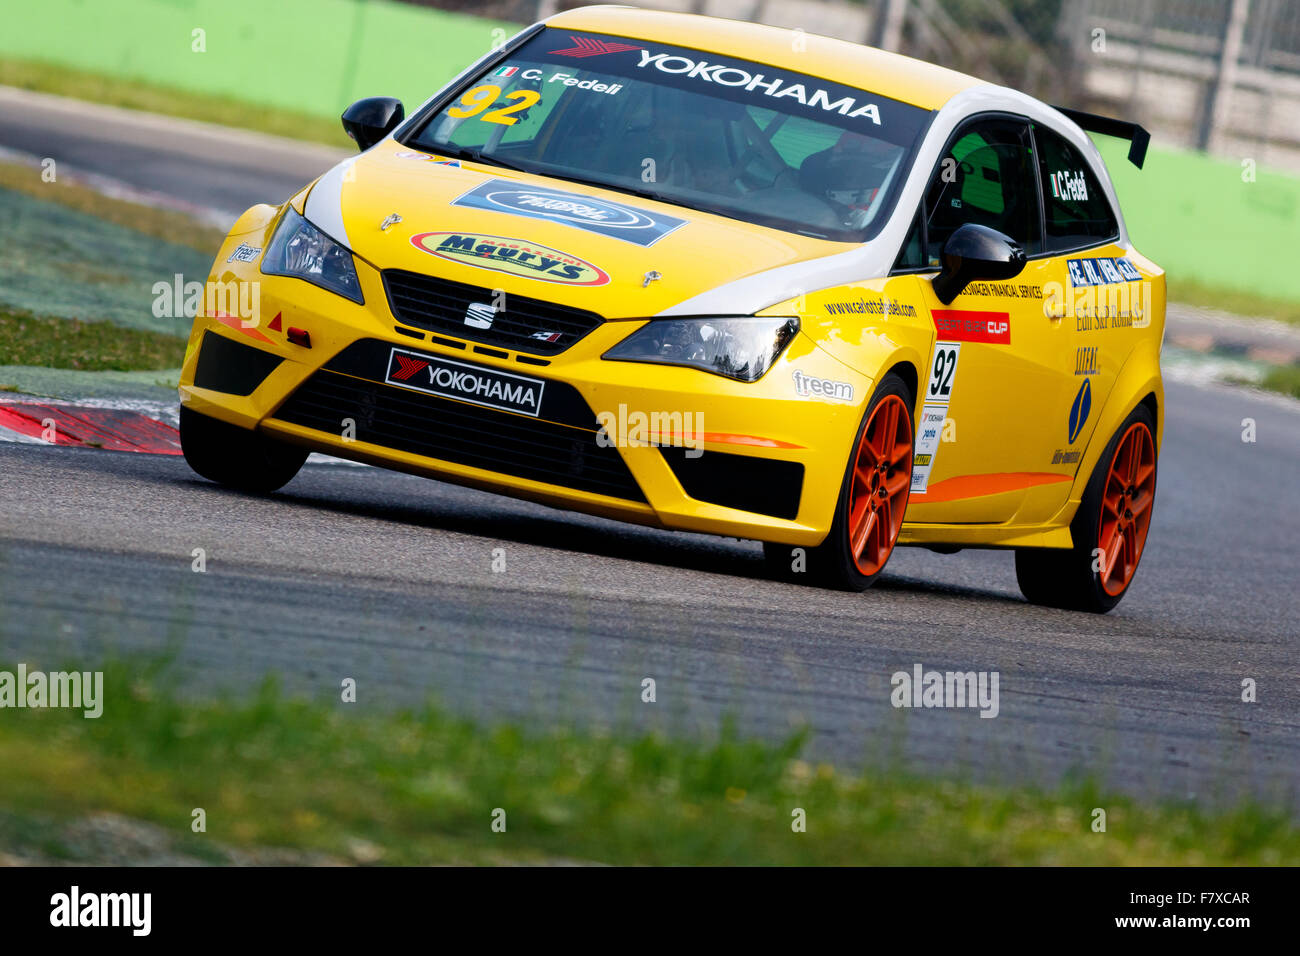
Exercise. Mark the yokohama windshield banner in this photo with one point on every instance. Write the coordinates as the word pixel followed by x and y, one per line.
pixel 712 74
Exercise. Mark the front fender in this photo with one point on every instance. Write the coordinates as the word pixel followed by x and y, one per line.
pixel 870 326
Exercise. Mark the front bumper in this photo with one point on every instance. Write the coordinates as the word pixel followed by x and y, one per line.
pixel 770 460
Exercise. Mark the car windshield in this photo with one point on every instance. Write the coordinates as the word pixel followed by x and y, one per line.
pixel 703 131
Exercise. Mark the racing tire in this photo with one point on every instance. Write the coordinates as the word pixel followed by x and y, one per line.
pixel 871 504
pixel 1109 529
pixel 236 457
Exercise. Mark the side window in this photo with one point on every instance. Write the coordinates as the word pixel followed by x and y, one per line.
pixel 1076 211
pixel 986 177
pixel 912 255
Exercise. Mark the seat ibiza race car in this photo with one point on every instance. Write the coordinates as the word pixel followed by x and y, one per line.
pixel 718 277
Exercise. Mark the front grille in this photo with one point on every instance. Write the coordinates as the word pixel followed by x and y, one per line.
pixel 466 434
pixel 440 305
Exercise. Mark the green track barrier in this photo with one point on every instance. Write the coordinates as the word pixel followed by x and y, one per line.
pixel 312 56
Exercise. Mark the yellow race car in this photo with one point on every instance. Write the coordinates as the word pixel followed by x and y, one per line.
pixel 719 277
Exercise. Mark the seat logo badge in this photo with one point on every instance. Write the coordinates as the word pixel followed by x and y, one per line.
pixel 651 276
pixel 479 315
pixel 391 219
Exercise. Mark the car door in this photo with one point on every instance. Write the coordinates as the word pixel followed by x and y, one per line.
pixel 1096 291
pixel 997 370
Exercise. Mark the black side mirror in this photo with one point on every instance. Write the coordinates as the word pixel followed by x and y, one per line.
pixel 370 120
pixel 976 252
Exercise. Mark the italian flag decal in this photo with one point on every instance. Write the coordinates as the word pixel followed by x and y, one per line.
pixel 507 71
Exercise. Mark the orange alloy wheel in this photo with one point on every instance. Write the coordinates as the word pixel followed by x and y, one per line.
pixel 882 476
pixel 1126 508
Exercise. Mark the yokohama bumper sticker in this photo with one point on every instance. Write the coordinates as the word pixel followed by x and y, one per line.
pixel 468 383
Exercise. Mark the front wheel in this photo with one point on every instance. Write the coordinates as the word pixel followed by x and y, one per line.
pixel 871 504
pixel 237 457
pixel 1109 529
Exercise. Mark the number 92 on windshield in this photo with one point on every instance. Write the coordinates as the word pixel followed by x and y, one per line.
pixel 476 102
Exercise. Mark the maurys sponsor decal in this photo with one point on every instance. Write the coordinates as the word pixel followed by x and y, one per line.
pixel 514 256
pixel 467 383
pixel 601 216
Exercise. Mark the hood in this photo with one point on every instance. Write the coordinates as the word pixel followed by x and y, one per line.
pixel 540 237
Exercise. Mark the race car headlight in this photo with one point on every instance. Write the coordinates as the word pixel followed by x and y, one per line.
pixel 742 347
pixel 302 251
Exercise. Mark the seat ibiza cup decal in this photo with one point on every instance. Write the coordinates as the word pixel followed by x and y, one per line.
pixel 612 219
pixel 477 384
pixel 989 328
pixel 514 256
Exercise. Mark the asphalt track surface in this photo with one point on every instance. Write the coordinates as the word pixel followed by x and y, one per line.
pixel 193 163
pixel 387 578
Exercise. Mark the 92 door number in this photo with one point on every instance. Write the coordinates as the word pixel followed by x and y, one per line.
pixel 943 372
pixel 934 413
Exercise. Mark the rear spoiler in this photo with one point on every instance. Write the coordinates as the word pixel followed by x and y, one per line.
pixel 1138 138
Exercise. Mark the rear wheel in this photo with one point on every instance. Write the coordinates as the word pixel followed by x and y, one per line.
pixel 1109 529
pixel 237 457
pixel 872 500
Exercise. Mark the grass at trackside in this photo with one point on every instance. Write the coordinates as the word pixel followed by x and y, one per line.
pixel 51 342
pixel 422 788
pixel 1284 379
pixel 166 224
pixel 139 95
pixel 1245 304
pixel 65 251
